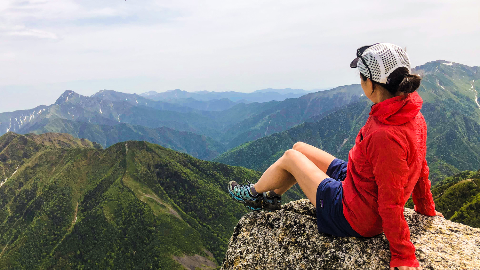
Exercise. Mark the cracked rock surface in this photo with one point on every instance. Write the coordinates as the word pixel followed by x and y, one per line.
pixel 289 239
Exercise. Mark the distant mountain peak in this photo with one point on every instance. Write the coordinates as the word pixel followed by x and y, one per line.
pixel 109 93
pixel 105 91
pixel 445 67
pixel 284 91
pixel 67 95
pixel 178 91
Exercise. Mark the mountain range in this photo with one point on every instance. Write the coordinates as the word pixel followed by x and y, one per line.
pixel 264 95
pixel 232 127
pixel 245 131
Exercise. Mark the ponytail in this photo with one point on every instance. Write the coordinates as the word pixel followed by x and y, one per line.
pixel 400 80
pixel 409 84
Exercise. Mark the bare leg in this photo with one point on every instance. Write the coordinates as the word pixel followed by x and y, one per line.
pixel 293 167
pixel 319 157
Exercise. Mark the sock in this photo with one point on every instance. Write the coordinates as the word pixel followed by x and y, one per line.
pixel 272 193
pixel 253 192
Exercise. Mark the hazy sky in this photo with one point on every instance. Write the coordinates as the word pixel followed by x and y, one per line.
pixel 48 46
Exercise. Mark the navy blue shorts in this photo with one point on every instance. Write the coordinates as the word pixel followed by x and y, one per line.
pixel 330 218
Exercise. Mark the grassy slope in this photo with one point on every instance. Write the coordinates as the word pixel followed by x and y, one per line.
pixel 15 149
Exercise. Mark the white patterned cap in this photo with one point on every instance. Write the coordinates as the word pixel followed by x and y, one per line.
pixel 381 60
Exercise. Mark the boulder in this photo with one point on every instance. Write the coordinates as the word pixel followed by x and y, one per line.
pixel 289 239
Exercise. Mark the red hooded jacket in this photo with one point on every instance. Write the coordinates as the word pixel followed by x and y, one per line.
pixel 385 166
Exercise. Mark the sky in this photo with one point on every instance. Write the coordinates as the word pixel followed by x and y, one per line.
pixel 132 46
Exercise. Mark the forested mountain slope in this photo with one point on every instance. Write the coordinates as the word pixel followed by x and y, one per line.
pixel 132 205
pixel 289 113
pixel 458 198
pixel 335 133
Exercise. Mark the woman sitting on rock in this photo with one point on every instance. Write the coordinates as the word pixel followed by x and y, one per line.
pixel 385 166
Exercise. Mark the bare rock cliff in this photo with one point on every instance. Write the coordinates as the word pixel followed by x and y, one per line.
pixel 288 239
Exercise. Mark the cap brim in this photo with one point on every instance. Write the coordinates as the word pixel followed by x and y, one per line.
pixel 353 64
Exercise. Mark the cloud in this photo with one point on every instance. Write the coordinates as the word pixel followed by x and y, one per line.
pixel 7 55
pixel 32 33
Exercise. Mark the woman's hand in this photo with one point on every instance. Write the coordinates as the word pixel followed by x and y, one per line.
pixel 415 268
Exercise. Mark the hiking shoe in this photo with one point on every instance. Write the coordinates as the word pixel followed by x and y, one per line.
pixel 241 193
pixel 271 201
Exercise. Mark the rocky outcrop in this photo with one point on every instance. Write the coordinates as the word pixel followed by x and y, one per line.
pixel 288 239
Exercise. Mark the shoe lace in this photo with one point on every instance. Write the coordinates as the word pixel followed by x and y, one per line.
pixel 247 187
pixel 242 189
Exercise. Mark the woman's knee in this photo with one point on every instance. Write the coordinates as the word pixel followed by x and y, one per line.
pixel 291 154
pixel 298 145
pixel 290 159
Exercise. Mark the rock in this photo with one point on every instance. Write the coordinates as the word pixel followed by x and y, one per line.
pixel 289 239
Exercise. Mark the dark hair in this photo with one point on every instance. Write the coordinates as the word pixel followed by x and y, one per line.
pixel 400 80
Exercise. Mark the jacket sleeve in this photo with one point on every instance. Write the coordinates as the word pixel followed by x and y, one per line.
pixel 422 196
pixel 388 154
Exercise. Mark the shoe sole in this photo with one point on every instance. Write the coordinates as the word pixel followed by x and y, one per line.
pixel 271 203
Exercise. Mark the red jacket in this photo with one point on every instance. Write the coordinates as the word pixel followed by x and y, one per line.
pixel 385 166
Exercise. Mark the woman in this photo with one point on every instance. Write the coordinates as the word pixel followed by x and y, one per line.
pixel 385 166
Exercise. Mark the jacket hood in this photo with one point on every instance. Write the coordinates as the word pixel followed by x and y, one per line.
pixel 397 110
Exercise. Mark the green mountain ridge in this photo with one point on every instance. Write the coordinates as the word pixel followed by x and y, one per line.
pixel 458 198
pixel 16 149
pixel 178 96
pixel 132 205
pixel 198 146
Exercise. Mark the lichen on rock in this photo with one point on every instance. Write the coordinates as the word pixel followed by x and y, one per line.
pixel 289 239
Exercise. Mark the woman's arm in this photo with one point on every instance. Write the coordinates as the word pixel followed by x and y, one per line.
pixel 388 154
pixel 422 196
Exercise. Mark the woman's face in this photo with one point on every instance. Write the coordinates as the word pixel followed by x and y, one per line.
pixel 380 94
